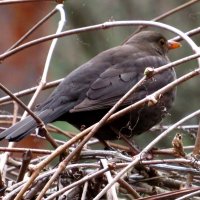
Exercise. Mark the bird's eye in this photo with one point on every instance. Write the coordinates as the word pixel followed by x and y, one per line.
pixel 162 42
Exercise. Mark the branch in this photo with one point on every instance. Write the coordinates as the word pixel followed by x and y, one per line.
pixel 6 2
pixel 168 13
pixel 104 25
pixel 33 29
pixel 30 91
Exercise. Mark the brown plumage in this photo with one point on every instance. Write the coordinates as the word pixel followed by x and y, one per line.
pixel 88 92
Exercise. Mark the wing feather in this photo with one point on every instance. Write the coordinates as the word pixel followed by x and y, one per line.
pixel 115 81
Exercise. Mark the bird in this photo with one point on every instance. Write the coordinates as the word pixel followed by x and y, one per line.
pixel 89 92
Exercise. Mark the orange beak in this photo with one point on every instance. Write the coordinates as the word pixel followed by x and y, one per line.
pixel 173 44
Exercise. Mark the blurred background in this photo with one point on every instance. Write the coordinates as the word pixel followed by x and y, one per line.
pixel 24 69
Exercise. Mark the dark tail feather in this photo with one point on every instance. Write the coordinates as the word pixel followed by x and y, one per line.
pixel 28 125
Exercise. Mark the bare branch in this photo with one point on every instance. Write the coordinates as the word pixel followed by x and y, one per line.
pixel 6 2
pixel 104 25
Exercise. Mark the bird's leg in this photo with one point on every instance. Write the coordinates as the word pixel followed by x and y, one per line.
pixel 106 145
pixel 134 150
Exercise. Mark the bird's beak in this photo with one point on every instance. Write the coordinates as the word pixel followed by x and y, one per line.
pixel 173 44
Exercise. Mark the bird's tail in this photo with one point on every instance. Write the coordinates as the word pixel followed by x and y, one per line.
pixel 28 125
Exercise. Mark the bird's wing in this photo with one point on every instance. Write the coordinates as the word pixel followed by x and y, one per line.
pixel 114 82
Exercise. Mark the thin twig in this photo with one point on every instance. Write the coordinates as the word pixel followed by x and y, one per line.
pixel 164 15
pixel 45 72
pixel 22 150
pixel 30 91
pixel 35 117
pixel 6 2
pixel 128 187
pixel 104 25
pixel 196 150
pixel 111 194
pixel 188 196
pixel 85 188
pixel 65 133
pixel 26 35
pixel 189 33
pixel 49 56
pixel 196 153
pixel 115 154
pixel 26 158
pixel 15 112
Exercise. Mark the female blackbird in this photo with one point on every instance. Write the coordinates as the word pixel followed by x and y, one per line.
pixel 88 92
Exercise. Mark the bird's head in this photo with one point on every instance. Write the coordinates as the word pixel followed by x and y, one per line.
pixel 153 40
